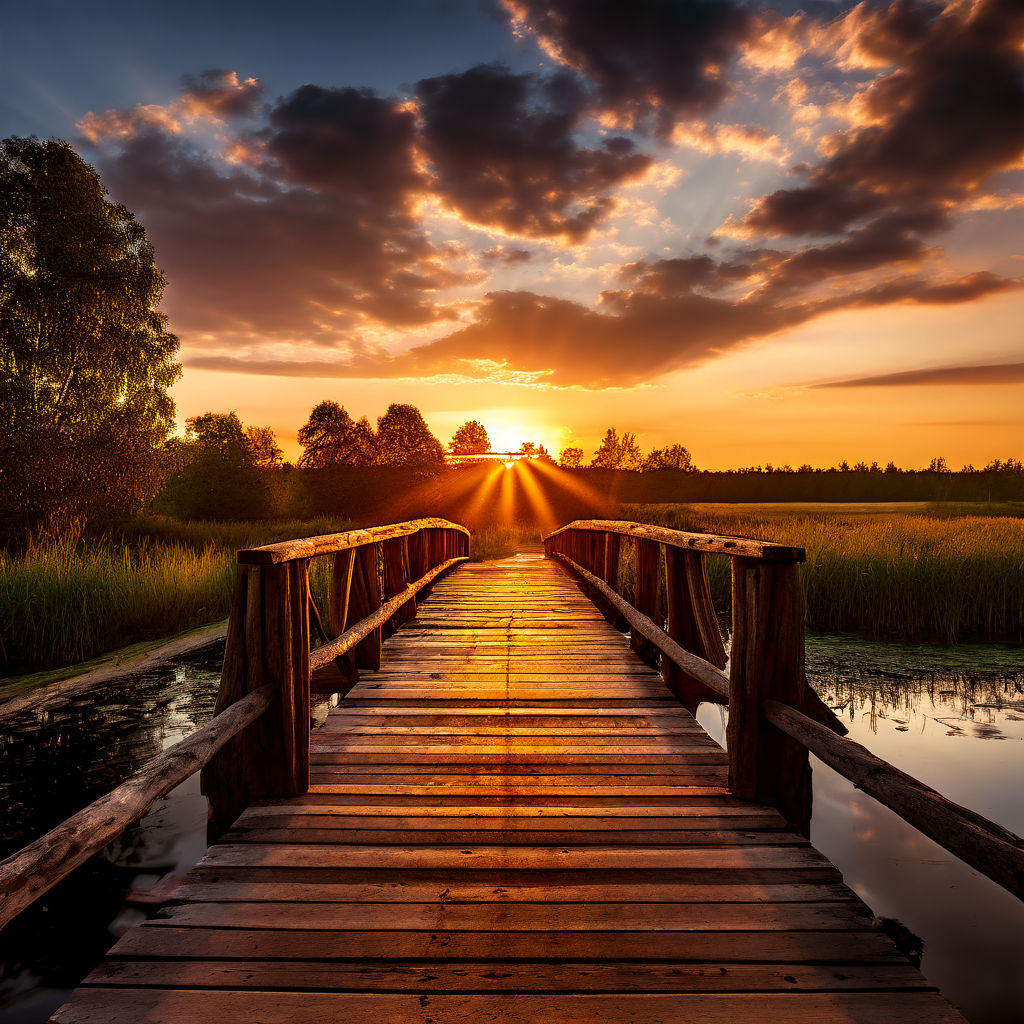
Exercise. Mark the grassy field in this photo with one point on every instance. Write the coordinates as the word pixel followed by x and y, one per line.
pixel 918 572
pixel 71 599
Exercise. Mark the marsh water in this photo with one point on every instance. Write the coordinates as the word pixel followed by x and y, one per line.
pixel 953 717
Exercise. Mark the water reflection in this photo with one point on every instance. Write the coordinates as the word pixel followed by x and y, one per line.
pixel 954 718
pixel 54 763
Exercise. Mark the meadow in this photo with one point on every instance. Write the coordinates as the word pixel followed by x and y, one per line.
pixel 929 573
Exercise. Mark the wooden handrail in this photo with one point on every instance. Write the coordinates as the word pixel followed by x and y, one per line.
pixel 987 847
pixel 328 543
pixel 768 735
pixel 710 675
pixel 32 871
pixel 326 653
pixel 710 543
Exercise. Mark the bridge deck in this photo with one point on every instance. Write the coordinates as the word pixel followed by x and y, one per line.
pixel 512 821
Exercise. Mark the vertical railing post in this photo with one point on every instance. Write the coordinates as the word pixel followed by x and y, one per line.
pixel 767 661
pixel 692 623
pixel 267 644
pixel 366 600
pixel 648 567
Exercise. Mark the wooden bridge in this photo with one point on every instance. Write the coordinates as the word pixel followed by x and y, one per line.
pixel 515 816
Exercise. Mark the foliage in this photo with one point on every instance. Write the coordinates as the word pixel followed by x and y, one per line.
pixel 87 361
pixel 331 437
pixel 618 453
pixel 913 576
pixel 404 439
pixel 675 456
pixel 470 439
pixel 570 458
pixel 223 470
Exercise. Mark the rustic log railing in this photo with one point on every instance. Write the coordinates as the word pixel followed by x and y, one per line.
pixel 775 718
pixel 257 744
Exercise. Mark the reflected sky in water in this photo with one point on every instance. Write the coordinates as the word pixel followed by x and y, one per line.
pixel 953 718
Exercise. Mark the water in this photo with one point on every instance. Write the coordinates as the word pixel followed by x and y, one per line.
pixel 952 717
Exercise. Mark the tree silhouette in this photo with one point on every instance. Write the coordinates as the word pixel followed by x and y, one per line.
pixel 630 456
pixel 223 470
pixel 470 439
pixel 675 456
pixel 607 456
pixel 331 437
pixel 404 439
pixel 570 458
pixel 86 361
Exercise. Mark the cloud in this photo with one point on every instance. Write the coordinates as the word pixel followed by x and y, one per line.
pixel 502 152
pixel 507 256
pixel 649 61
pixel 210 97
pixel 994 373
pixel 948 115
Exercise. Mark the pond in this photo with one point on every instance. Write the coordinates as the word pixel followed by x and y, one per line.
pixel 952 717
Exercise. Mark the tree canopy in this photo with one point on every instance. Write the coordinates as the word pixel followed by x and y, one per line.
pixel 675 456
pixel 331 437
pixel 570 458
pixel 470 439
pixel 404 439
pixel 86 360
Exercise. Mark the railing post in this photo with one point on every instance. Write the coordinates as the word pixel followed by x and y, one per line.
pixel 267 643
pixel 366 600
pixel 767 661
pixel 691 623
pixel 648 567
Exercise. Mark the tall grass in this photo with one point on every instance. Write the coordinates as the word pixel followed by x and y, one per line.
pixel 70 598
pixel 920 576
pixel 501 540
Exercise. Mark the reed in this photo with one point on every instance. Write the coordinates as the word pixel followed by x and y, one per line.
pixel 70 598
pixel 925 575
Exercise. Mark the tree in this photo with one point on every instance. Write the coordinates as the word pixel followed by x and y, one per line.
pixel 607 456
pixel 86 360
pixel 630 456
pixel 224 471
pixel 570 458
pixel 675 456
pixel 404 439
pixel 938 465
pixel 470 439
pixel 543 455
pixel 330 437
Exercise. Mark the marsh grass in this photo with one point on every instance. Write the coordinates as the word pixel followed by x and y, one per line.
pixel 70 598
pixel 502 540
pixel 935 575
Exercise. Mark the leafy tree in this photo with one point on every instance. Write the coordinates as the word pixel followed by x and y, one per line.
pixel 544 455
pixel 630 456
pixel 570 458
pixel 86 361
pixel 528 448
pixel 404 439
pixel 675 456
pixel 938 465
pixel 225 471
pixel 607 456
pixel 331 437
pixel 470 439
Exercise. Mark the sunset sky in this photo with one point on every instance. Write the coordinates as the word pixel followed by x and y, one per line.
pixel 772 232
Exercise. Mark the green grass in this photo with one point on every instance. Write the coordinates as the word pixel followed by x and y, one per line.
pixel 934 574
pixel 71 599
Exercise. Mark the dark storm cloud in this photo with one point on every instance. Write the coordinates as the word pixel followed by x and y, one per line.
pixel 345 141
pixel 995 373
pixel 647 60
pixel 948 116
pixel 502 151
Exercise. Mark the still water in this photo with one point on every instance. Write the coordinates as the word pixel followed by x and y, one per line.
pixel 952 717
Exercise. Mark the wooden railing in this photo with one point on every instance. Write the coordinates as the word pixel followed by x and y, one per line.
pixel 775 718
pixel 257 744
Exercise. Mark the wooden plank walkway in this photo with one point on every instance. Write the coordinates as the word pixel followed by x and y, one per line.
pixel 512 821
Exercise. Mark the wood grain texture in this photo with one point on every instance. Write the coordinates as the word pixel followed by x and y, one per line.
pixel 513 820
